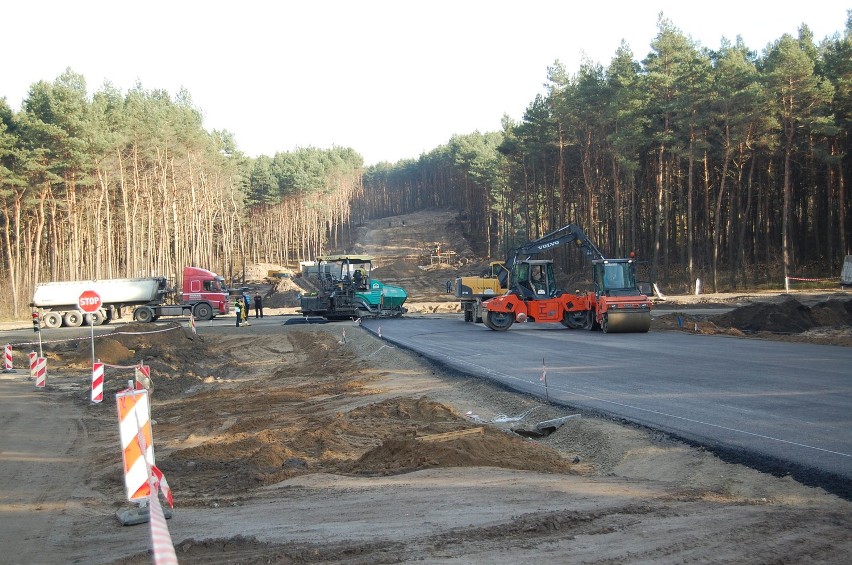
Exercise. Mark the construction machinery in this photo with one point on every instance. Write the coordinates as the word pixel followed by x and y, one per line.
pixel 204 295
pixel 616 304
pixel 346 290
pixel 471 291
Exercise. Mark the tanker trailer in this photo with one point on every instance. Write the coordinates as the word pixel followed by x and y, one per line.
pixel 204 296
pixel 57 301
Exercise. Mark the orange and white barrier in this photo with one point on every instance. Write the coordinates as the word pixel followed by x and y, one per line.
pixel 142 479
pixel 33 359
pixel 7 359
pixel 98 383
pixel 41 372
pixel 135 431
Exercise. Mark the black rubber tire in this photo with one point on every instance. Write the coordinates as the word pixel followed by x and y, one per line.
pixel 203 312
pixel 73 319
pixel 576 320
pixel 468 316
pixel 98 318
pixel 499 321
pixel 52 319
pixel 143 315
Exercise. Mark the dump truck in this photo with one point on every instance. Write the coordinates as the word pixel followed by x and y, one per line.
pixel 203 295
pixel 347 290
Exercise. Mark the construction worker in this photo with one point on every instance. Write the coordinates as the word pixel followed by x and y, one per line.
pixel 238 309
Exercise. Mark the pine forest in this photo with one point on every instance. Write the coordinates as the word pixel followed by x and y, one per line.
pixel 729 165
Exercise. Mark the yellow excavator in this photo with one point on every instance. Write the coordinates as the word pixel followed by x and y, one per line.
pixel 471 291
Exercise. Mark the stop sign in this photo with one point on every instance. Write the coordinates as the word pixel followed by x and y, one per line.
pixel 89 301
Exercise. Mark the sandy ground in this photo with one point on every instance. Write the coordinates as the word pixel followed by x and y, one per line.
pixel 296 443
pixel 293 444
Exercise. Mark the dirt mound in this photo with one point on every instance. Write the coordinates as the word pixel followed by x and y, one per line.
pixel 787 316
pixel 397 270
pixel 490 449
pixel 284 293
pixel 832 313
pixel 294 422
pixel 77 354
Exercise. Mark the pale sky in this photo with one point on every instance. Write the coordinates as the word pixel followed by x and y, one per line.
pixel 391 79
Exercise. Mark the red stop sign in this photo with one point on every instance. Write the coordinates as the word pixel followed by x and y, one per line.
pixel 89 301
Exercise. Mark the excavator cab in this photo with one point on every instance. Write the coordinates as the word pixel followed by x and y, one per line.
pixel 534 280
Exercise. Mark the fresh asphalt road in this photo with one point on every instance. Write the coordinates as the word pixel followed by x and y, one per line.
pixel 785 407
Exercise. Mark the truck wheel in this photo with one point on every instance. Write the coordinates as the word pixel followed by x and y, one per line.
pixel 73 319
pixel 143 314
pixel 499 321
pixel 98 318
pixel 52 319
pixel 203 312
pixel 468 316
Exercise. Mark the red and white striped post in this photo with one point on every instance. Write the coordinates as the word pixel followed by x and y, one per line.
pixel 7 359
pixel 41 372
pixel 98 383
pixel 33 359
pixel 143 377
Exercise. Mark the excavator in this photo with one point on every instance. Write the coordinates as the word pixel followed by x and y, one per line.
pixel 471 291
pixel 614 306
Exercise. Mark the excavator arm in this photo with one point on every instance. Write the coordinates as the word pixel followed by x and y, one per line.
pixel 563 236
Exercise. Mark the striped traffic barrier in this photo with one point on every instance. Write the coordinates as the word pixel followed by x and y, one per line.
pixel 33 359
pixel 98 382
pixel 135 432
pixel 142 479
pixel 143 377
pixel 41 372
pixel 7 359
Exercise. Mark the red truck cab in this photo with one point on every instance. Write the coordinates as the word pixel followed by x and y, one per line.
pixel 200 284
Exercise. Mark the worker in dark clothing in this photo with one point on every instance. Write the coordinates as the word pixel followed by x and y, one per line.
pixel 258 306
pixel 238 308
